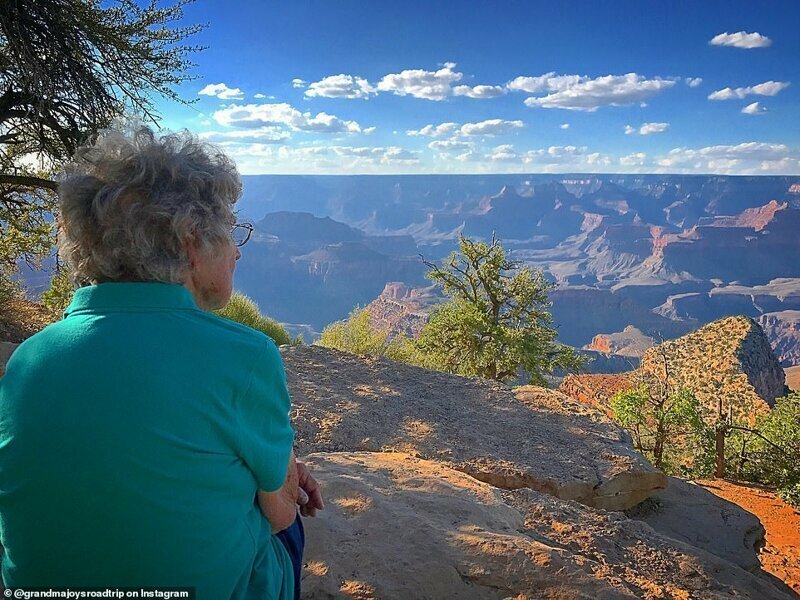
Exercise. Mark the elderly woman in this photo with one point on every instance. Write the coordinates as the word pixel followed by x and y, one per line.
pixel 144 441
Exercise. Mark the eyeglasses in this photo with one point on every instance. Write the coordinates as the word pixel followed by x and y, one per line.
pixel 240 233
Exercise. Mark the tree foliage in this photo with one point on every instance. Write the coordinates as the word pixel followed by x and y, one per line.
pixel 771 450
pixel 357 335
pixel 58 297
pixel 659 418
pixel 496 322
pixel 68 68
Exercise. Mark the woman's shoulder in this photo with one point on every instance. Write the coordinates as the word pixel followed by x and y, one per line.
pixel 236 331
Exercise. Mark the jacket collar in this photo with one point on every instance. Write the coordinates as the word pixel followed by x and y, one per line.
pixel 131 296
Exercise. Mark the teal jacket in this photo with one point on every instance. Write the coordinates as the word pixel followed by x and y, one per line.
pixel 133 436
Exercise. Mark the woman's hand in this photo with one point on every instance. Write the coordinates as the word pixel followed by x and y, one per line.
pixel 280 507
pixel 309 495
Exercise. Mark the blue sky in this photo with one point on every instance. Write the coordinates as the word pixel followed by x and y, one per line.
pixel 493 87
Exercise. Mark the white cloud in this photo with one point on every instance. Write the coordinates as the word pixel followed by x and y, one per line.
pixel 435 130
pixel 564 126
pixel 383 155
pixel 744 158
pixel 693 82
pixel 637 159
pixel 549 82
pixel 490 127
pixel 751 150
pixel 450 146
pixel 259 96
pixel 369 130
pixel 253 116
pixel 552 159
pixel 754 109
pixel 298 83
pixel 268 134
pixel 335 159
pixel 647 128
pixel 503 153
pixel 768 88
pixel 741 39
pixel 430 85
pixel 479 91
pixel 221 91
pixel 591 94
pixel 341 86
pixel 395 155
pixel 470 156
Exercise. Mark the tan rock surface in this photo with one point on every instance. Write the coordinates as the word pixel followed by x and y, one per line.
pixel 534 437
pixel 402 310
pixel 399 527
pixel 689 513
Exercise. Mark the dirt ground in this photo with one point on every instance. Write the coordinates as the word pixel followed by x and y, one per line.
pixel 781 555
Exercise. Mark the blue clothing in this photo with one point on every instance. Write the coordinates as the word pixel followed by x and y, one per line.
pixel 133 436
pixel 294 540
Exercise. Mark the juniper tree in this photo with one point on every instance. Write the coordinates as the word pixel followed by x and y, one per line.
pixel 68 68
pixel 496 322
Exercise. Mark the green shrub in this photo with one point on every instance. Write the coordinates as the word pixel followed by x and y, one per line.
pixel 243 310
pixel 774 455
pixel 58 297
pixel 357 336
pixel 662 420
pixel 791 495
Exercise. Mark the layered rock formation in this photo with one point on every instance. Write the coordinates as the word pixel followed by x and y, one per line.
pixel 628 342
pixel 402 310
pixel 783 330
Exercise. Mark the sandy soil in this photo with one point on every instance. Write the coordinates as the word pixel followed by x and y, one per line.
pixel 781 555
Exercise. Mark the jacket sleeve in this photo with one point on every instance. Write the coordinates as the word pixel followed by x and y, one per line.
pixel 265 434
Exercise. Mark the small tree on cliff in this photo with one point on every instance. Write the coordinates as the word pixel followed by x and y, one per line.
pixel 660 416
pixel 496 322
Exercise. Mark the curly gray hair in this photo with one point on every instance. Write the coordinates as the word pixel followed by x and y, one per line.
pixel 128 203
